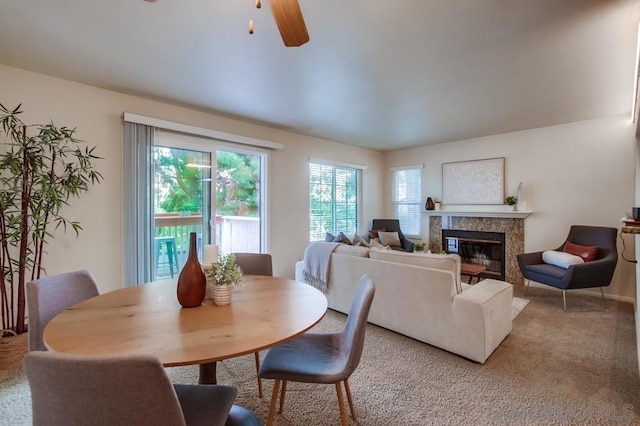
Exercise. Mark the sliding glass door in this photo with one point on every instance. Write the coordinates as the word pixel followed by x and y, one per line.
pixel 182 204
pixel 239 201
pixel 229 214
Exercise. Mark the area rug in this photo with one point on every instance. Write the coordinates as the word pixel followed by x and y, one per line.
pixel 581 370
pixel 517 305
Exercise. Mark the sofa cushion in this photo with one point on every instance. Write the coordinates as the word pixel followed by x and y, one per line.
pixel 360 251
pixel 447 262
pixel 561 259
pixel 391 239
pixel 588 253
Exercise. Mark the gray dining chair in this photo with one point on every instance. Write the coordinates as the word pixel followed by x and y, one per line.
pixel 327 358
pixel 47 297
pixel 255 264
pixel 68 390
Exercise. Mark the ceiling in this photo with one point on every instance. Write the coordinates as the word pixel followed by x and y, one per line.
pixel 380 74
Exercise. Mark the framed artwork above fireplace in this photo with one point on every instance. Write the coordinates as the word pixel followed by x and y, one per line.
pixel 473 182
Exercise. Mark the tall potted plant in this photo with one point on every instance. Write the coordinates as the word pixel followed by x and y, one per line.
pixel 42 167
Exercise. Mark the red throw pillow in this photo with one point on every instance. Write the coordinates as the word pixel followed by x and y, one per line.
pixel 588 253
pixel 374 232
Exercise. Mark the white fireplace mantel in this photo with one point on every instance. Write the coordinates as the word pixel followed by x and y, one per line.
pixel 509 214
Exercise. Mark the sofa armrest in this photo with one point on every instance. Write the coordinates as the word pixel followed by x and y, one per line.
pixel 487 293
pixel 483 316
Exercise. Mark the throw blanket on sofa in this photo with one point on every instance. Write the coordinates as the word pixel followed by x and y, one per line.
pixel 316 264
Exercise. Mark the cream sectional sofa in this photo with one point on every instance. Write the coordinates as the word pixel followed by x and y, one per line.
pixel 421 296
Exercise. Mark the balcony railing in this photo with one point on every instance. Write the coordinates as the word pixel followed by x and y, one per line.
pixel 233 234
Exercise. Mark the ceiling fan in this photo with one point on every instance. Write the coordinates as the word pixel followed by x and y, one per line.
pixel 289 19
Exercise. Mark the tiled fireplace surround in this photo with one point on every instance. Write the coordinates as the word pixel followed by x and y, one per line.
pixel 513 229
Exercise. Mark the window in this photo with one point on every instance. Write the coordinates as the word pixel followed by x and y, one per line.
pixel 334 200
pixel 407 198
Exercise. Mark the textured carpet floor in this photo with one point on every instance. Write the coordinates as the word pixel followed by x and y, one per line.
pixel 554 368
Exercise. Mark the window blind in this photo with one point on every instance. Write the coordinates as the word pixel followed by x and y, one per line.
pixel 334 200
pixel 407 199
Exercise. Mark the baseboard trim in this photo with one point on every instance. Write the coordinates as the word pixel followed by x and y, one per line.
pixel 595 292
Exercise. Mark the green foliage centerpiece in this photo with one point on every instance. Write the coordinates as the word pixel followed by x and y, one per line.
pixel 41 168
pixel 221 277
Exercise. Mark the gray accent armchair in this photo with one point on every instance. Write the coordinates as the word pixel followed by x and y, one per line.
pixel 596 273
pixel 392 225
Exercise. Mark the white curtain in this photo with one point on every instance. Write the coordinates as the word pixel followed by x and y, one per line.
pixel 139 225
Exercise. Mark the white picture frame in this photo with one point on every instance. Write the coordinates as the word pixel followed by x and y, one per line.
pixel 473 182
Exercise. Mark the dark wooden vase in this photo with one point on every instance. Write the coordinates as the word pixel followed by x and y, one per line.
pixel 192 283
pixel 429 205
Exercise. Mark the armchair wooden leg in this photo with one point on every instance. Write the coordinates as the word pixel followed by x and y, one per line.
pixel 564 300
pixel 274 400
pixel 282 392
pixel 349 399
pixel 527 289
pixel 257 354
pixel 343 414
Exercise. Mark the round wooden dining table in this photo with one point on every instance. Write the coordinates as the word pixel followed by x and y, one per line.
pixel 147 319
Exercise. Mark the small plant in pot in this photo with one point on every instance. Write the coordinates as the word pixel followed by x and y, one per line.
pixel 221 277
pixel 511 201
pixel 418 247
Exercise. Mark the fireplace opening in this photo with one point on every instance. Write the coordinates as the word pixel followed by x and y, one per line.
pixel 478 248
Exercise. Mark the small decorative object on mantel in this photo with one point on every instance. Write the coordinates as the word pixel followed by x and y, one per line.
pixel 521 197
pixel 429 204
pixel 511 201
pixel 223 275
pixel 418 247
pixel 192 283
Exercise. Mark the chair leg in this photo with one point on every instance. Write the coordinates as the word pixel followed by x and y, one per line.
pixel 282 392
pixel 257 354
pixel 527 289
pixel 274 400
pixel 343 414
pixel 564 300
pixel 604 301
pixel 348 390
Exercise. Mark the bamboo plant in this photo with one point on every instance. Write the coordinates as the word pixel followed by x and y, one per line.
pixel 42 167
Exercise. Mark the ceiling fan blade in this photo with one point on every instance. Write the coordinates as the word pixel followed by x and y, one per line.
pixel 288 17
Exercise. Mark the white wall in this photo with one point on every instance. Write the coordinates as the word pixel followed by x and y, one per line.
pixel 97 114
pixel 576 173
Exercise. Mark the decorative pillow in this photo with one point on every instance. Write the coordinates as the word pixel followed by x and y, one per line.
pixel 374 232
pixel 359 241
pixel 340 238
pixel 561 258
pixel 391 239
pixel 375 244
pixel 588 253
